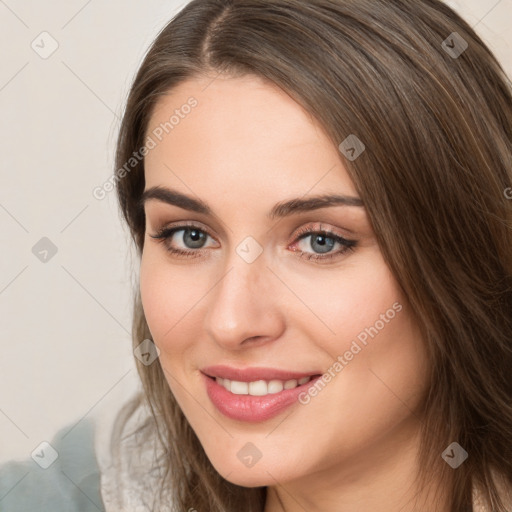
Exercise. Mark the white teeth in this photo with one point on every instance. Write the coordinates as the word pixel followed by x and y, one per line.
pixel 275 386
pixel 239 388
pixel 290 384
pixel 260 387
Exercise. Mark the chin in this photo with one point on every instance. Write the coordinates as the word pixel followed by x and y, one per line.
pixel 248 477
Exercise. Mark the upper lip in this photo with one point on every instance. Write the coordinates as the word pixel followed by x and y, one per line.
pixel 254 373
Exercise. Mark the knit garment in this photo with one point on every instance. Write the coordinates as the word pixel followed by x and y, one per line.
pixel 131 482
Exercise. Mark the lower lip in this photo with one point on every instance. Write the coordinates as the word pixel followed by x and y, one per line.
pixel 253 408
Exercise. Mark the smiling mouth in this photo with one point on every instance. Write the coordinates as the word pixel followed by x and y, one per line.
pixel 261 387
pixel 256 400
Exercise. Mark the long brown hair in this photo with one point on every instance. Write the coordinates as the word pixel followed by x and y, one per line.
pixel 434 111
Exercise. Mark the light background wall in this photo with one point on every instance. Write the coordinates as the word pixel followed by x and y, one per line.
pixel 65 346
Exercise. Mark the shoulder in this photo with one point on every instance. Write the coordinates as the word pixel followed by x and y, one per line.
pixel 60 475
pixel 110 465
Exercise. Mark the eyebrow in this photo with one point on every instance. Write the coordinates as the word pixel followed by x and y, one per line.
pixel 282 209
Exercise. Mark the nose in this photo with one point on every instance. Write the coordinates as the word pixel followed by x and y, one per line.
pixel 245 309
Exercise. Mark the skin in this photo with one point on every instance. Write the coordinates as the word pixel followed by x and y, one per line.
pixel 245 147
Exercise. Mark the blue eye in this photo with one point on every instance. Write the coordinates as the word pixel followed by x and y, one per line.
pixel 193 239
pixel 322 242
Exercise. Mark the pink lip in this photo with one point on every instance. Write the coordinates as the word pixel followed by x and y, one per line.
pixel 254 373
pixel 250 408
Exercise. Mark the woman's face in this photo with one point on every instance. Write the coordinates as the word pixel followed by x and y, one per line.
pixel 276 284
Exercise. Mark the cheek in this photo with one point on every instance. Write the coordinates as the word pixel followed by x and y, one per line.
pixel 173 300
pixel 369 326
pixel 347 302
pixel 163 296
pixel 153 295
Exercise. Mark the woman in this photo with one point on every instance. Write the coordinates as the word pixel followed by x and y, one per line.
pixel 249 115
pixel 326 257
pixel 317 190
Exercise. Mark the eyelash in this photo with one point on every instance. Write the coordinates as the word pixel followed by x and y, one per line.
pixel 165 234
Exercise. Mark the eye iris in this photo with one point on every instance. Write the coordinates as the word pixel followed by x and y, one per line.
pixel 193 238
pixel 325 243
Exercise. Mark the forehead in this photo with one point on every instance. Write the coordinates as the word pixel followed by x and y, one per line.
pixel 242 134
